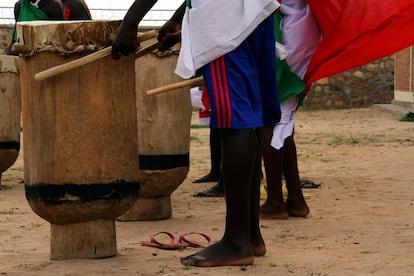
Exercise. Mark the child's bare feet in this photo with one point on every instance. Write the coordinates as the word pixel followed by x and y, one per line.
pixel 259 250
pixel 297 209
pixel 210 177
pixel 273 211
pixel 220 254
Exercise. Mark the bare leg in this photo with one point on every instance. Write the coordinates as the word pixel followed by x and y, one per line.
pixel 215 157
pixel 257 242
pixel 274 206
pixel 295 204
pixel 241 155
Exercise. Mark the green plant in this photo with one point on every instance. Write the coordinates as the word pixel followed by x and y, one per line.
pixel 199 126
pixel 409 117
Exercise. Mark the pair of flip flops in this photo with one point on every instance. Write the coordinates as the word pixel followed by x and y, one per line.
pixel 181 242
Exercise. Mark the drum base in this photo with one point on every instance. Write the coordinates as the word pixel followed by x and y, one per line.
pixel 7 159
pixel 88 240
pixel 156 208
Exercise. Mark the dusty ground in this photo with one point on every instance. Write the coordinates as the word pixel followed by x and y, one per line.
pixel 361 220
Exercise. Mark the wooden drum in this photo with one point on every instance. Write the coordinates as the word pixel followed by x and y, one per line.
pixel 9 112
pixel 80 142
pixel 163 137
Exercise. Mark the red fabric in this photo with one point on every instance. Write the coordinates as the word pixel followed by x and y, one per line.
pixel 67 13
pixel 356 32
pixel 205 99
pixel 67 10
pixel 204 113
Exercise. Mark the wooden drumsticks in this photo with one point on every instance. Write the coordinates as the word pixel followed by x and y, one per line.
pixel 56 70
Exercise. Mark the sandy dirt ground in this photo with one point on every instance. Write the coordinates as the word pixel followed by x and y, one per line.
pixel 361 220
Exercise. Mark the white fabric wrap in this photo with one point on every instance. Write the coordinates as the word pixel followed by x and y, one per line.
pixel 284 128
pixel 213 28
pixel 300 36
pixel 196 96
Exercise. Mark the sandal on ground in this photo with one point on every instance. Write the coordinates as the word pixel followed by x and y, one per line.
pixel 173 244
pixel 307 184
pixel 193 243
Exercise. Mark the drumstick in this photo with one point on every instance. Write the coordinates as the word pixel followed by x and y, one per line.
pixel 56 70
pixel 187 83
pixel 148 47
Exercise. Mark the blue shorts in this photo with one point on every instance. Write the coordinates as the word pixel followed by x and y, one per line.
pixel 242 83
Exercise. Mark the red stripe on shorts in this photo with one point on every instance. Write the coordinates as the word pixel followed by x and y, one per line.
pixel 226 89
pixel 221 93
pixel 215 91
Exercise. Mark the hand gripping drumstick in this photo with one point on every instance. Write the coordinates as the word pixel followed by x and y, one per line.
pixel 187 83
pixel 53 71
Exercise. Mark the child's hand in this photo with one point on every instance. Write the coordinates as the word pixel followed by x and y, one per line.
pixel 169 35
pixel 125 42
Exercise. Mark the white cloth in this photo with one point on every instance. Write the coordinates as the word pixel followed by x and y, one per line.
pixel 281 51
pixel 284 128
pixel 196 95
pixel 197 101
pixel 300 34
pixel 204 121
pixel 213 28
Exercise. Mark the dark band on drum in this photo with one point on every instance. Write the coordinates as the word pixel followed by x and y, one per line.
pixel 52 194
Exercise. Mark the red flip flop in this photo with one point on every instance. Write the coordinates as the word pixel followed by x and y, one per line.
pixel 183 239
pixel 173 244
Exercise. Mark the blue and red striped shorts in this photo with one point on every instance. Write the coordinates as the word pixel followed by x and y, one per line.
pixel 242 83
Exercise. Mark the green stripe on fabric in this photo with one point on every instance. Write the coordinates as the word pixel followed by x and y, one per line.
pixel 28 12
pixel 288 83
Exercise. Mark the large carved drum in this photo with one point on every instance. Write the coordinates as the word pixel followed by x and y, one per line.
pixel 80 142
pixel 9 112
pixel 163 137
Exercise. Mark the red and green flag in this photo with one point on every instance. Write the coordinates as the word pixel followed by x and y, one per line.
pixel 356 32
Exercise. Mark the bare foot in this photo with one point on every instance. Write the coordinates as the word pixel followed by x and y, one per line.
pixel 220 254
pixel 273 211
pixel 297 209
pixel 215 191
pixel 207 178
pixel 259 250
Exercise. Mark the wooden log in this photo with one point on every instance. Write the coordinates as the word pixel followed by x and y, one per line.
pixel 9 112
pixel 80 167
pixel 59 69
